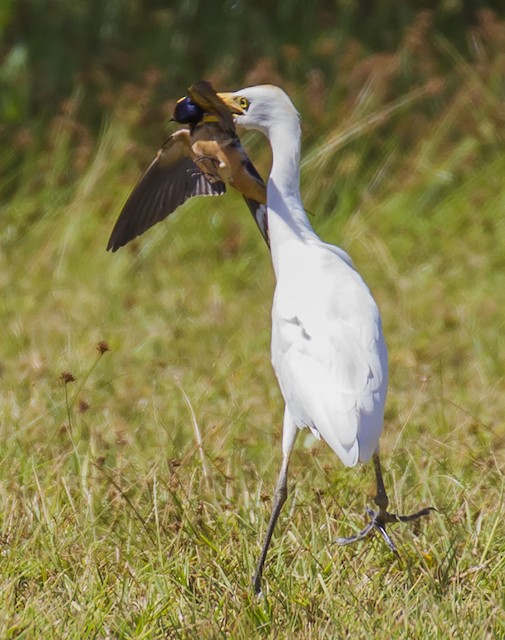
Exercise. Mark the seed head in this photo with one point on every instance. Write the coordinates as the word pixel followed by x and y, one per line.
pixel 67 377
pixel 102 347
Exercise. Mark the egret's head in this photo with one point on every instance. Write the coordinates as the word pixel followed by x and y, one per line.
pixel 187 112
pixel 260 107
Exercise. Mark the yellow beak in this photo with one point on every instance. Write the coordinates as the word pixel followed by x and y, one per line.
pixel 230 101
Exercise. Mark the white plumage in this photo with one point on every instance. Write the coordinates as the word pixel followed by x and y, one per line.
pixel 328 350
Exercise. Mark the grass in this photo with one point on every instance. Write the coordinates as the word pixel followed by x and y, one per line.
pixel 116 523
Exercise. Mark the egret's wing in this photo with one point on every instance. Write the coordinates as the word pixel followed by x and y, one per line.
pixel 169 181
pixel 330 357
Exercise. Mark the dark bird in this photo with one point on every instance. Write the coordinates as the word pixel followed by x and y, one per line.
pixel 195 161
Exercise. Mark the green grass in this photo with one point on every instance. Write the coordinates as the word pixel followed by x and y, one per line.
pixel 114 523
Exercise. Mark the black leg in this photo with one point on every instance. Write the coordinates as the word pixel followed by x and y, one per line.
pixel 382 517
pixel 280 495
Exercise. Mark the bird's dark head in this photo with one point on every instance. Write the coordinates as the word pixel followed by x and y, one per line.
pixel 187 112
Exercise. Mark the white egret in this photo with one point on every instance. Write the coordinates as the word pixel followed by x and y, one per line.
pixel 328 350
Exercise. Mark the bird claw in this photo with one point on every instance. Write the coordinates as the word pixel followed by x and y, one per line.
pixel 209 167
pixel 379 520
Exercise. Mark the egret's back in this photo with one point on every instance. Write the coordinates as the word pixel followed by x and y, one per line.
pixel 328 350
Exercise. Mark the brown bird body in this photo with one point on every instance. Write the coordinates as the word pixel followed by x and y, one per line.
pixel 200 160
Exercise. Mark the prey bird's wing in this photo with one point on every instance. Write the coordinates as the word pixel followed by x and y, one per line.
pixel 247 179
pixel 258 209
pixel 203 94
pixel 170 180
pixel 259 213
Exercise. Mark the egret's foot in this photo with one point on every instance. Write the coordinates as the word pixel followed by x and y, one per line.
pixel 258 591
pixel 379 520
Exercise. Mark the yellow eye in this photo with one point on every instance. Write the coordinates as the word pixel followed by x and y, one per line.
pixel 243 103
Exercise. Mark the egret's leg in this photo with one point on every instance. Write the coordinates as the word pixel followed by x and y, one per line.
pixel 281 493
pixel 382 517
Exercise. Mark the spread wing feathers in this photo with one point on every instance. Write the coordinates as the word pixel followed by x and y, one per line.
pixel 169 181
pixel 333 370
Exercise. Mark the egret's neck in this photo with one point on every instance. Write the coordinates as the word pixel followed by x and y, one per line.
pixel 286 216
pixel 285 143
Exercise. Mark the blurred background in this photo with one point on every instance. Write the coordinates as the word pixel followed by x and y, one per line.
pixel 78 60
pixel 403 164
pixel 403 138
pixel 51 50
